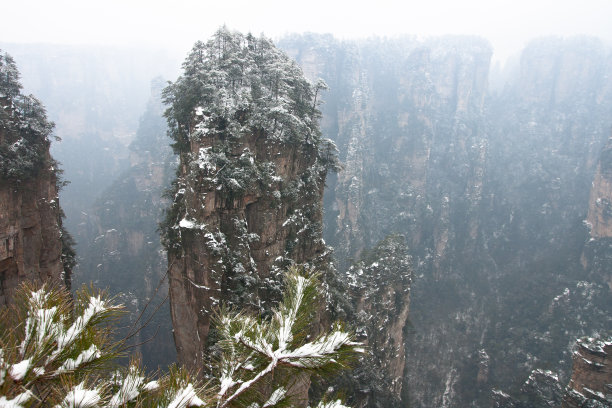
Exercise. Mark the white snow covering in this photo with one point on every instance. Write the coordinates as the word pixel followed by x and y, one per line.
pixel 599 394
pixel 187 224
pixel 287 319
pixel 332 404
pixel 204 161
pixel 16 402
pixel 95 307
pixel 319 348
pixel 86 356
pixel 186 397
pixel 130 389
pixel 227 382
pixel 198 286
pixel 19 370
pixel 39 320
pixel 151 386
pixel 191 224
pixel 81 397
pixel 275 398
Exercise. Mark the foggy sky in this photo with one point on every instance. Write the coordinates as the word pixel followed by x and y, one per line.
pixel 508 24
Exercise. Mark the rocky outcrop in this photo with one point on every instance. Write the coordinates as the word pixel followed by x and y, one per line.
pixel 30 234
pixel 591 381
pixel 596 254
pixel 599 218
pixel 247 199
pixel 33 245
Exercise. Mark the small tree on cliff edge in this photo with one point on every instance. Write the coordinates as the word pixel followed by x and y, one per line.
pixel 54 354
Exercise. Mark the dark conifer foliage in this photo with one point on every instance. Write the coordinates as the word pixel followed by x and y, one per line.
pixel 25 131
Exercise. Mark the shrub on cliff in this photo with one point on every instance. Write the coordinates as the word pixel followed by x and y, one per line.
pixel 25 130
pixel 54 354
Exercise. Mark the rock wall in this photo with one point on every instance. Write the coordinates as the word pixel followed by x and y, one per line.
pixel 591 381
pixel 407 118
pixel 30 233
pixel 379 290
pixel 599 218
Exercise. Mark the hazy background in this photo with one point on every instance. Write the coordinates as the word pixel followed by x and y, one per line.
pixel 508 24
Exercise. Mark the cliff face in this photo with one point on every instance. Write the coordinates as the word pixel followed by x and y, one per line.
pixel 247 199
pixel 599 218
pixel 31 242
pixel 30 234
pixel 490 191
pixel 379 290
pixel 591 382
pixel 120 243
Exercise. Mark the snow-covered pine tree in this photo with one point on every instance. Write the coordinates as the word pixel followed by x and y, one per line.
pixel 25 131
pixel 54 353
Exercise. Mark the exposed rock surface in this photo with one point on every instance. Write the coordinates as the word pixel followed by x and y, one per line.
pixel 599 218
pixel 31 243
pixel 30 240
pixel 379 290
pixel 247 199
pixel 591 382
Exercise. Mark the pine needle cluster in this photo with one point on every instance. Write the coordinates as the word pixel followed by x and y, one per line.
pixel 57 351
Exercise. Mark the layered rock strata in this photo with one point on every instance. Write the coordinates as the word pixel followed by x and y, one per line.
pixel 591 382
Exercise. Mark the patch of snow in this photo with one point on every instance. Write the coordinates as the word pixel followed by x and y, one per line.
pixel 151 386
pixel 19 370
pixel 86 356
pixel 275 398
pixel 191 224
pixel 16 402
pixel 80 397
pixel 130 389
pixel 186 397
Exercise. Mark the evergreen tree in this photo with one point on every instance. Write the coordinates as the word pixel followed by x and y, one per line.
pixel 52 354
pixel 25 131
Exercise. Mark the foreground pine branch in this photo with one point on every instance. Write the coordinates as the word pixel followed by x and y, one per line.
pixel 55 352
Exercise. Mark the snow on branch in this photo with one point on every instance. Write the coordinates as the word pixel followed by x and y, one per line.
pixel 57 357
pixel 279 343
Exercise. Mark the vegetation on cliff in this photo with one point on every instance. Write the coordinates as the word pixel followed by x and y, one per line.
pixel 236 87
pixel 25 131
